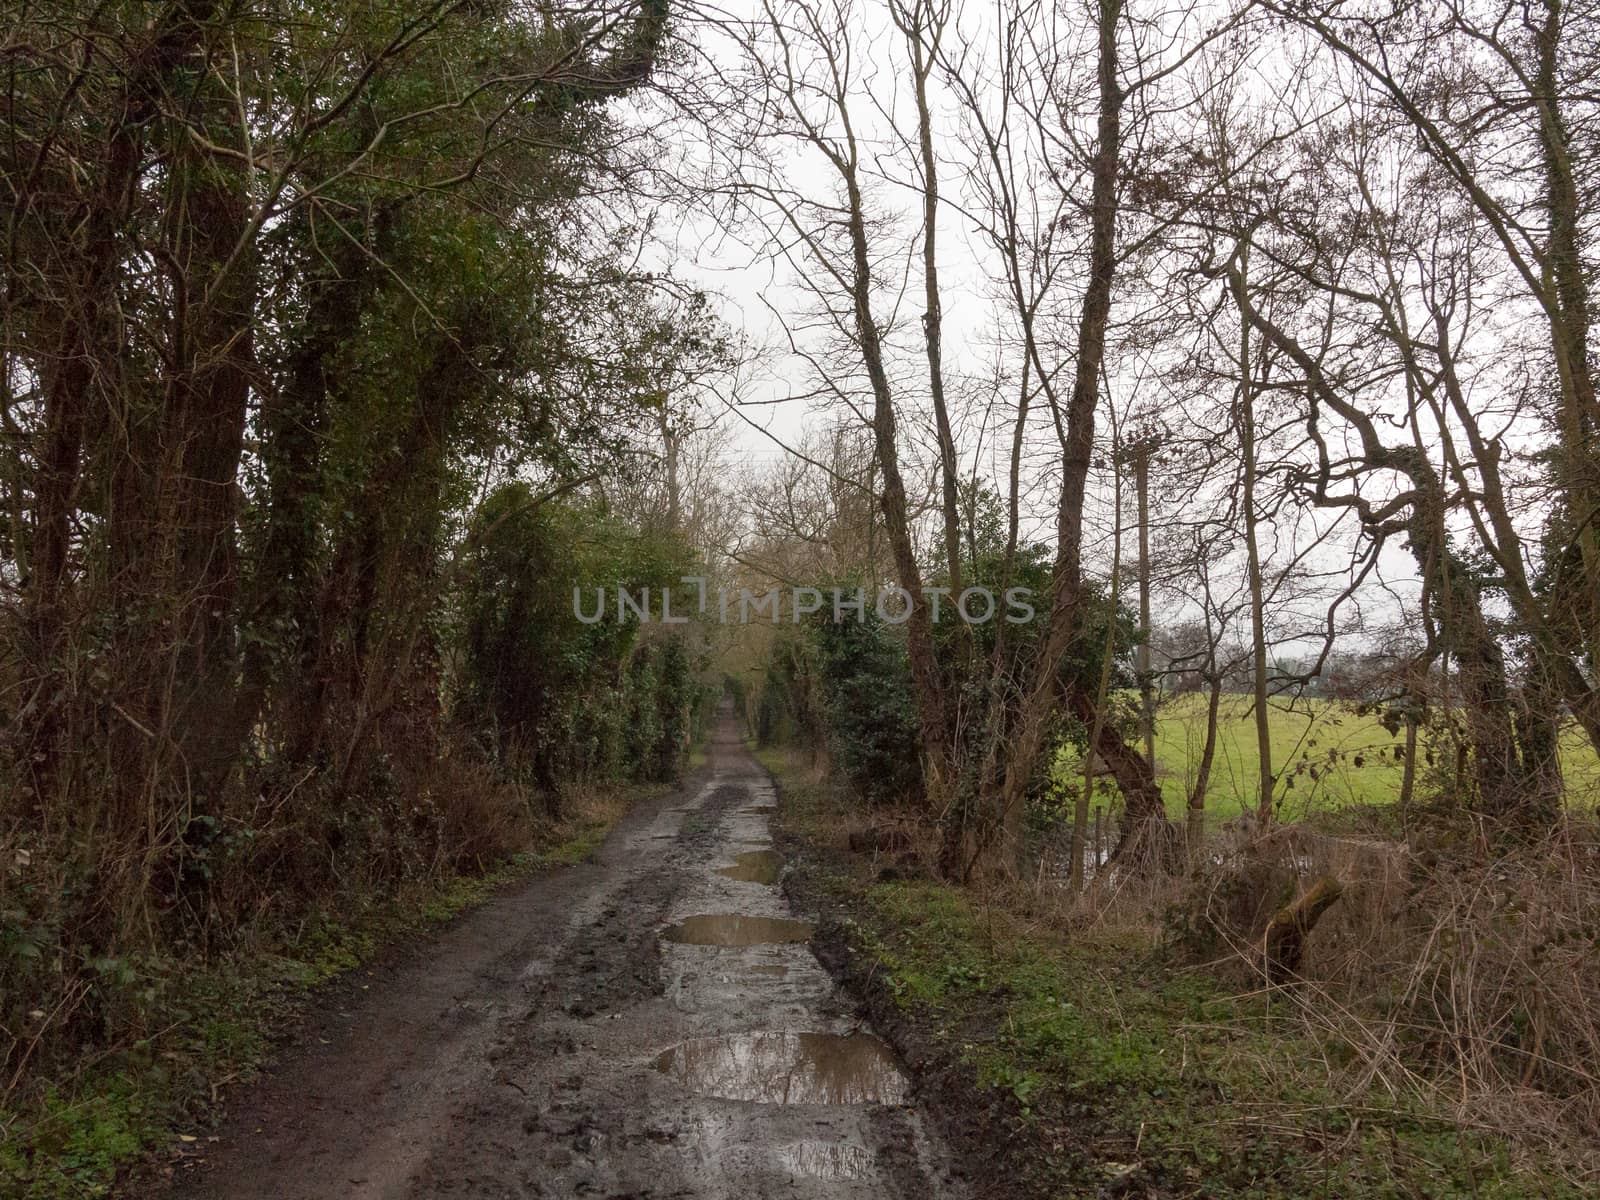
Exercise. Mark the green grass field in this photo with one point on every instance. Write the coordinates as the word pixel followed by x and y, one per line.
pixel 1325 755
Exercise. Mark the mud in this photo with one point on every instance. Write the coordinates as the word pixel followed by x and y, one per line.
pixel 520 1053
pixel 1004 1151
pixel 736 929
pixel 788 1068
pixel 826 1160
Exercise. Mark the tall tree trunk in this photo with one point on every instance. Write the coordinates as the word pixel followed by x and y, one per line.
pixel 927 682
pixel 1195 833
pixel 1147 687
pixel 1537 713
pixel 281 628
pixel 82 385
pixel 1097 710
pixel 1134 776
pixel 1265 781
pixel 1569 315
pixel 921 20
pixel 915 24
pixel 203 439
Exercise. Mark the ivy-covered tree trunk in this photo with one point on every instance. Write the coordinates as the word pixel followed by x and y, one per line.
pixel 202 440
pixel 281 627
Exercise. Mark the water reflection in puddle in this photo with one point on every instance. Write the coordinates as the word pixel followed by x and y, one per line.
pixel 825 1160
pixel 735 929
pixel 788 1068
pixel 755 866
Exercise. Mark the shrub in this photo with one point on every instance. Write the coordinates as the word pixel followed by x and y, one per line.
pixel 866 691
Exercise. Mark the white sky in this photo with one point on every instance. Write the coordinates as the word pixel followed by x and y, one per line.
pixel 763 296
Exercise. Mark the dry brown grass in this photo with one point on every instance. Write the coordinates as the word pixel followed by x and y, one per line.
pixel 1467 981
pixel 1450 979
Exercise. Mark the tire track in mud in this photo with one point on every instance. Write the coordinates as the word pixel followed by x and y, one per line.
pixel 609 963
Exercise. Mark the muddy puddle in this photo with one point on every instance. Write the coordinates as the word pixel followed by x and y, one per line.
pixel 735 929
pixel 755 866
pixel 788 1068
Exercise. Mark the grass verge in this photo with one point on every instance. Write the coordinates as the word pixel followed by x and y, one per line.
pixel 1091 1064
pixel 70 1140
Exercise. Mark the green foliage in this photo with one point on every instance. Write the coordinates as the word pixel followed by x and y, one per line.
pixel 231 709
pixel 80 1144
pixel 788 708
pixel 847 685
pixel 567 697
pixel 866 696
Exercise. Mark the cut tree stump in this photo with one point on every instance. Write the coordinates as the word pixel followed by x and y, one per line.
pixel 1284 942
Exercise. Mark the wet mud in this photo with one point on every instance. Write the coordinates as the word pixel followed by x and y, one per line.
pixel 736 929
pixel 556 1044
pixel 788 1068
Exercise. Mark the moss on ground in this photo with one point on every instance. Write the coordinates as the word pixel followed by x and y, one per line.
pixel 1125 1074
pixel 69 1141
pixel 1142 1069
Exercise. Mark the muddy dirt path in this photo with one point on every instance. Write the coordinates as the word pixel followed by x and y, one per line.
pixel 651 1025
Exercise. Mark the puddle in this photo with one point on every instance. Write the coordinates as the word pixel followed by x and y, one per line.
pixel 735 929
pixel 755 866
pixel 788 1068
pixel 825 1160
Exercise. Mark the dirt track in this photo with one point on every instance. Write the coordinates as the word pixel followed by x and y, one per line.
pixel 554 1044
